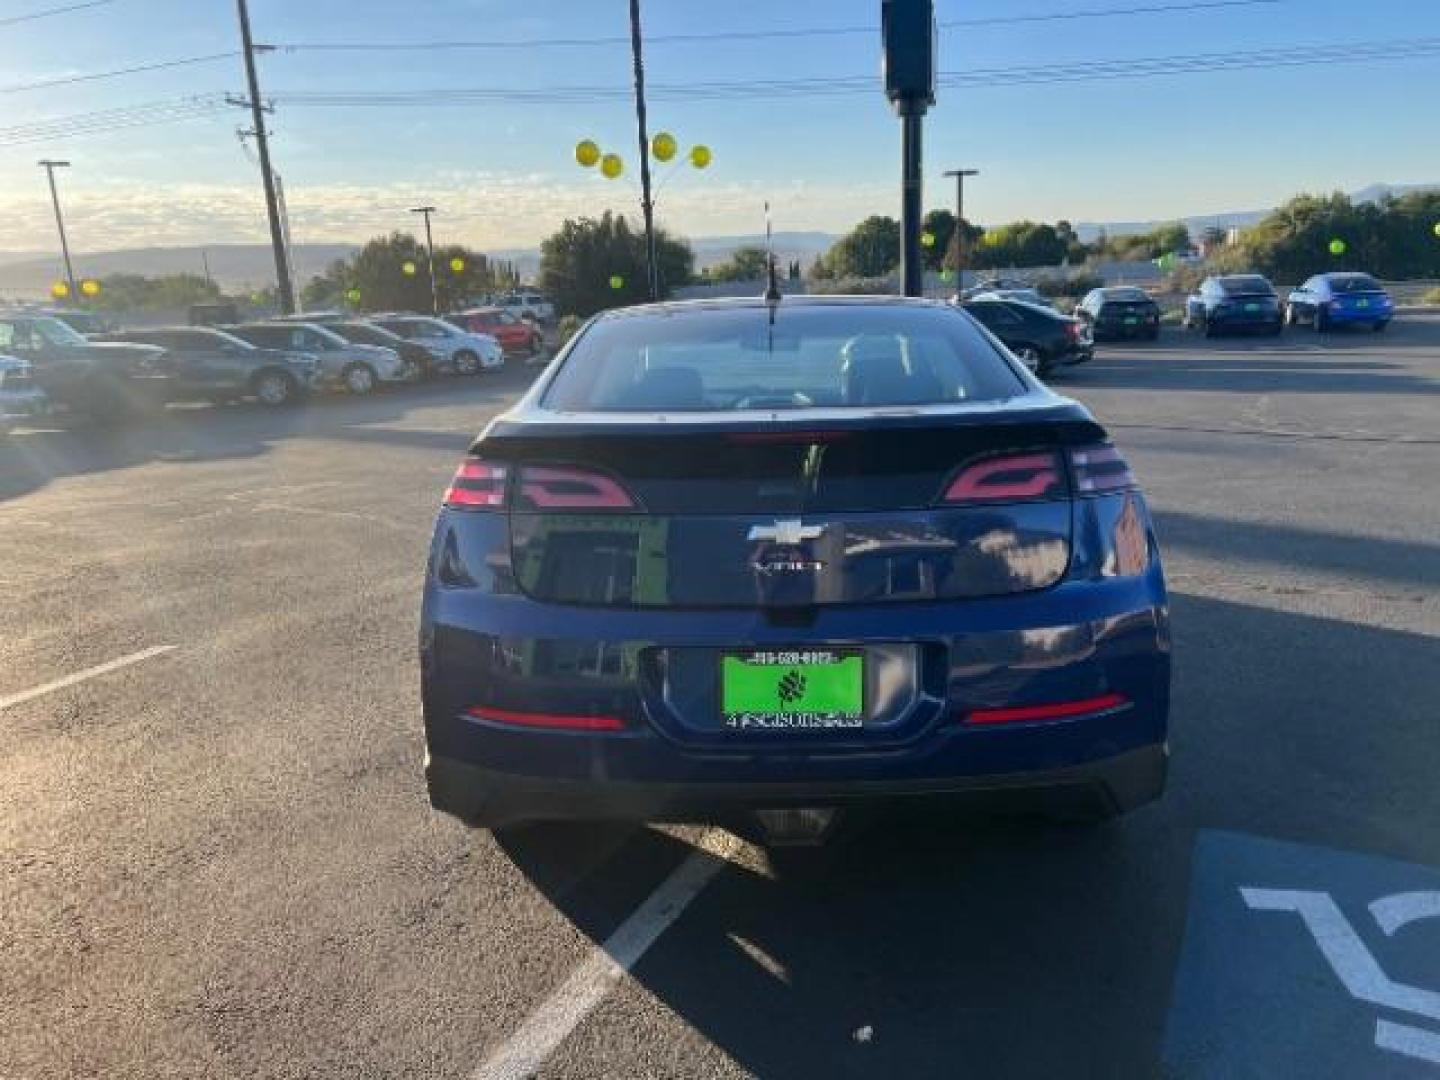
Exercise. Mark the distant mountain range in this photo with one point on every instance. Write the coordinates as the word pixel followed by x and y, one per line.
pixel 238 267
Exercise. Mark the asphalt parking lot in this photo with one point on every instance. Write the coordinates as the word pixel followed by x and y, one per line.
pixel 216 857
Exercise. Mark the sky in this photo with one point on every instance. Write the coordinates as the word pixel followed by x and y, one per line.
pixel 502 172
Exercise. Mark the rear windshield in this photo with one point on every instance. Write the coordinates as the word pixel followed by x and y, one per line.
pixel 1348 283
pixel 831 356
pixel 1246 286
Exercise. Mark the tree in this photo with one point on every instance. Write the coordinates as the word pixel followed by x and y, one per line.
pixel 1021 243
pixel 939 225
pixel 870 250
pixel 596 263
pixel 171 292
pixel 744 264
pixel 377 273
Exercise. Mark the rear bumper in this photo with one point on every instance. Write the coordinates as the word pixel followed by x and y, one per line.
pixel 1121 331
pixel 480 796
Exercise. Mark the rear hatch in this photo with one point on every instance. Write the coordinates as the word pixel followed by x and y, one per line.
pixel 742 516
pixel 1129 312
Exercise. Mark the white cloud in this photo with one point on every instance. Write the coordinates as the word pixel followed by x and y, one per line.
pixel 485 210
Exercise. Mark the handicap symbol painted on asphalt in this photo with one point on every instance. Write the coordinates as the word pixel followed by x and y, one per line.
pixel 1356 966
pixel 1305 961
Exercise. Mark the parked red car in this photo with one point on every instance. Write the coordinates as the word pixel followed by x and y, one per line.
pixel 515 335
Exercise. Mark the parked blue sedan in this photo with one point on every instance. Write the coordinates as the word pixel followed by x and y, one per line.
pixel 1340 299
pixel 735 555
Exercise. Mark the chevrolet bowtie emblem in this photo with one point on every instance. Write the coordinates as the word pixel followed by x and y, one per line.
pixel 786 531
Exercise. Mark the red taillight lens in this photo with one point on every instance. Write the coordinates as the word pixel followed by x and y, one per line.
pixel 549 488
pixel 477 485
pixel 548 721
pixel 1060 710
pixel 1072 329
pixel 1007 478
pixel 1100 468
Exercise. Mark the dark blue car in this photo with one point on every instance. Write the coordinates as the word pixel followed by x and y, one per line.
pixel 740 555
pixel 1234 303
pixel 1326 301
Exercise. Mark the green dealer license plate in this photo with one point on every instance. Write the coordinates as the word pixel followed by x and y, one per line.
pixel 792 689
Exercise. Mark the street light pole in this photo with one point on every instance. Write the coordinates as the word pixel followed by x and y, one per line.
pixel 430 256
pixel 50 167
pixel 959 175
pixel 647 204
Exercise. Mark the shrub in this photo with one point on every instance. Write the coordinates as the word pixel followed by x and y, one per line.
pixel 853 286
pixel 565 329
pixel 1431 297
pixel 1074 287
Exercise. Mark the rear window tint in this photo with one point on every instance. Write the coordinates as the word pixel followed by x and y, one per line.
pixel 1241 286
pixel 1348 283
pixel 820 356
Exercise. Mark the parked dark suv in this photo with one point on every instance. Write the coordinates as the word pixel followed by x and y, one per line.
pixel 1120 312
pixel 106 379
pixel 1234 302
pixel 211 365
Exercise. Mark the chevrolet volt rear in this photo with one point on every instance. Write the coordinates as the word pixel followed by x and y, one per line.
pixel 748 556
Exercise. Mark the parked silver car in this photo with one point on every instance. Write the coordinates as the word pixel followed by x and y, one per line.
pixel 466 352
pixel 20 398
pixel 356 368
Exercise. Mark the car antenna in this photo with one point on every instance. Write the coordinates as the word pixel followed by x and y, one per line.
pixel 772 280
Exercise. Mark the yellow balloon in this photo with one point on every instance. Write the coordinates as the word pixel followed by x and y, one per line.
pixel 60 290
pixel 611 166
pixel 587 153
pixel 457 265
pixel 1437 228
pixel 663 146
pixel 616 281
pixel 928 239
pixel 407 268
pixel 700 156
pixel 90 288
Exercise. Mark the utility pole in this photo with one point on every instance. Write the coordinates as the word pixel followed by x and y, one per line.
pixel 959 175
pixel 50 167
pixel 430 252
pixel 647 204
pixel 283 284
pixel 908 60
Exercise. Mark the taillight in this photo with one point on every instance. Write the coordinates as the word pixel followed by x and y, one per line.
pixel 1072 330
pixel 477 485
pixel 554 488
pixel 1006 478
pixel 550 721
pixel 1100 468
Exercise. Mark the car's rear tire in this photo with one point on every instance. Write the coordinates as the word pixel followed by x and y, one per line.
pixel 360 379
pixel 1322 321
pixel 1153 335
pixel 466 362
pixel 1379 327
pixel 275 389
pixel 1209 328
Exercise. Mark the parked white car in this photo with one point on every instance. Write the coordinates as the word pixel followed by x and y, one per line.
pixel 528 305
pixel 463 352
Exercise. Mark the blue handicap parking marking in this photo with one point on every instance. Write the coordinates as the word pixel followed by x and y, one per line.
pixel 1303 961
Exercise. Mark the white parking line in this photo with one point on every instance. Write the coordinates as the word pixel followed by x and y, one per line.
pixel 545 1029
pixel 81 676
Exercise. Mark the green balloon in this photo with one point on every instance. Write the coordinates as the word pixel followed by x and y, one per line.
pixel 1337 247
pixel 352 295
pixel 616 281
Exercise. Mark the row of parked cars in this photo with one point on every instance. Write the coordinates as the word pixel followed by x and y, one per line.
pixel 1044 338
pixel 46 361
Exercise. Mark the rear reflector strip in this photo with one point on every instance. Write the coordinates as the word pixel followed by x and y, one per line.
pixel 1060 710
pixel 549 721
pixel 1100 468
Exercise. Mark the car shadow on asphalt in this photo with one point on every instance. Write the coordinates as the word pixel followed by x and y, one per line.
pixel 924 944
pixel 70 446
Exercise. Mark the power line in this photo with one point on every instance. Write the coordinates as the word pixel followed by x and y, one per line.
pixel 982 78
pixel 757 35
pixel 159 65
pixel 1094 70
pixel 13 19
